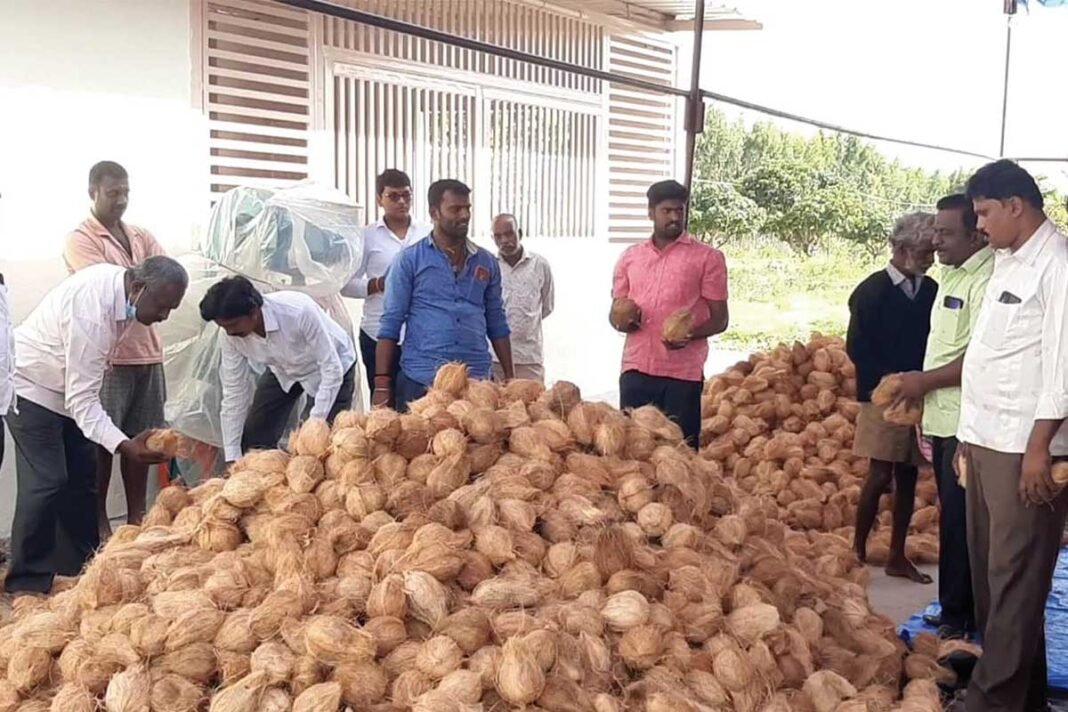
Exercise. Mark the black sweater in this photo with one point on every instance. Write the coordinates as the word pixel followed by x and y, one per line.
pixel 887 330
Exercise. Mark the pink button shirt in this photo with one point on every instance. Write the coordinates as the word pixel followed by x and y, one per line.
pixel 685 275
pixel 91 244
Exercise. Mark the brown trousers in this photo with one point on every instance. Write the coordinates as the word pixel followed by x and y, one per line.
pixel 1013 549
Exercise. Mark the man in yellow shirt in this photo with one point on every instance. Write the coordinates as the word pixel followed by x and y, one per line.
pixel 967 263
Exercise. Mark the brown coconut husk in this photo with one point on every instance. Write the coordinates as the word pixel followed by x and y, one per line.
pixel 173 693
pixel 519 678
pixel 321 697
pixel 311 439
pixel 29 667
pixel 625 610
pixel 129 691
pixel 332 640
pixel 439 656
pixel 275 661
pixel 428 600
pixel 244 695
pixel 362 684
pixel 69 698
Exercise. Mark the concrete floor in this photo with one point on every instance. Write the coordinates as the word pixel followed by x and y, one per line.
pixel 899 598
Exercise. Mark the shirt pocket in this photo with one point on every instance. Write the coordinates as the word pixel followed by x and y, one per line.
pixel 1014 316
pixel 953 323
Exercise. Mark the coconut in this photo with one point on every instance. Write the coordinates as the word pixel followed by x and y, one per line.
pixel 750 623
pixel 625 314
pixel 581 577
pixel 519 678
pixel 625 610
pixel 275 661
pixel 496 543
pixel 267 618
pixel 635 492
pixel 733 669
pixel 409 686
pixel 428 600
pixel 655 519
pixel 438 657
pixel 69 698
pixel 28 667
pixel 167 442
pixel 483 425
pixel 678 327
pixel 307 671
pixel 387 598
pixel 173 693
pixel 641 647
pixel 245 489
pixel 196 663
pixel 275 700
pixel 312 438
pixel 332 640
pixel 232 666
pixel 245 694
pixel 321 697
pixel 45 630
pixel 196 626
pixel 610 436
pixel 362 684
pixel 388 633
pixel 449 475
pixel 115 648
pixel 451 379
pixel 129 691
pixel 613 551
pixel 304 473
pixel 827 689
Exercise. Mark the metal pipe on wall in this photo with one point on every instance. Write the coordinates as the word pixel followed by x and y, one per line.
pixel 695 103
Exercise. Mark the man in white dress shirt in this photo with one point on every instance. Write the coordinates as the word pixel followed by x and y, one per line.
pixel 298 349
pixel 62 350
pixel 382 241
pixel 1014 400
pixel 527 284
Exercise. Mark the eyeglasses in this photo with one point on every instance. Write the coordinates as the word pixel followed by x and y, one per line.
pixel 398 197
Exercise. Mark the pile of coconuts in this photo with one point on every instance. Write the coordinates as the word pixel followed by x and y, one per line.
pixel 496 548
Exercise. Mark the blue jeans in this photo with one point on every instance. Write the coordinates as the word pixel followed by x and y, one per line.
pixel 405 390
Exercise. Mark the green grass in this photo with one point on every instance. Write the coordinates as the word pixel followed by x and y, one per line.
pixel 779 296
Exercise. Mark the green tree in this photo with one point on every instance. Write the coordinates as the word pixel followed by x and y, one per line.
pixel 719 213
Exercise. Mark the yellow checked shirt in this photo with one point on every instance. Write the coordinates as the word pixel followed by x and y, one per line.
pixel 960 293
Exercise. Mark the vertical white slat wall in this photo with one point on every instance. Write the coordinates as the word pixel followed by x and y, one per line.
pixel 553 166
pixel 641 130
pixel 257 86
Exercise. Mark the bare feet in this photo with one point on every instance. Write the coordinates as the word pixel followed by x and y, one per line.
pixel 861 549
pixel 905 569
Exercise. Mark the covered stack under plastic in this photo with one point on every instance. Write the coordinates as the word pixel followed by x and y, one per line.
pixel 496 549
pixel 304 237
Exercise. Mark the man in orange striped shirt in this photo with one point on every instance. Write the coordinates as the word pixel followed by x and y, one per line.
pixel 133 391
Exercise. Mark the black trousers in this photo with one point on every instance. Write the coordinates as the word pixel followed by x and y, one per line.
pixel 679 400
pixel 368 347
pixel 271 408
pixel 954 569
pixel 54 530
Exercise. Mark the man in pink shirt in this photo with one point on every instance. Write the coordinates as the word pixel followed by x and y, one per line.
pixel 133 391
pixel 669 273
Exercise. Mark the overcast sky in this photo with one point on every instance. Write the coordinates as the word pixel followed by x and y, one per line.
pixel 930 71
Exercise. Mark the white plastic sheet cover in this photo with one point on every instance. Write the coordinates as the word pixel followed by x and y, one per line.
pixel 303 237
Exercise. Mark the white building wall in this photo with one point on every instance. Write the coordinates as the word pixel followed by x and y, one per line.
pixel 82 81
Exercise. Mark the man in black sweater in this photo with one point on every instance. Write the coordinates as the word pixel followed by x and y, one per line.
pixel 890 317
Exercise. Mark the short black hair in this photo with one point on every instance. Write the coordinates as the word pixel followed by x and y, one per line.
pixel 230 298
pixel 439 188
pixel 106 169
pixel 961 202
pixel 1002 180
pixel 667 190
pixel 391 178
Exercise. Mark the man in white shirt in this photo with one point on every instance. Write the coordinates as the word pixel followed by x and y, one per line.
pixel 62 351
pixel 1014 400
pixel 7 363
pixel 527 284
pixel 298 349
pixel 382 241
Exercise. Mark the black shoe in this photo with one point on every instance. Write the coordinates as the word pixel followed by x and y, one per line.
pixel 948 631
pixel 934 621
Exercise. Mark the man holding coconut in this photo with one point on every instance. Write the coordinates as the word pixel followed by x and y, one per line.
pixel 62 351
pixel 669 295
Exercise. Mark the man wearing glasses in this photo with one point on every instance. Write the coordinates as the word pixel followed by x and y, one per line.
pixel 382 241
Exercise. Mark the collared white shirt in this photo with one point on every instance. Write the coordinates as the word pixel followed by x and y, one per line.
pixel 64 346
pixel 1016 365
pixel 380 247
pixel 7 356
pixel 909 285
pixel 528 298
pixel 302 345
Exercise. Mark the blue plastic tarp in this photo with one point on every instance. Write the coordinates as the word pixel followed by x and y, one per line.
pixel 1056 624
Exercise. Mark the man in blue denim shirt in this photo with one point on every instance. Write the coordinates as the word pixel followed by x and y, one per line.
pixel 446 293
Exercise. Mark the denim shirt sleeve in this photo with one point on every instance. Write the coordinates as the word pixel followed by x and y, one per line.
pixel 496 321
pixel 399 284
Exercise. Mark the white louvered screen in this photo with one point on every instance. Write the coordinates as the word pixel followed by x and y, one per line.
pixel 543 31
pixel 256 92
pixel 641 131
pixel 542 167
pixel 426 132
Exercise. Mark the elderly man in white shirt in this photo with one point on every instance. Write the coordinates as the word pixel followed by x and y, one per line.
pixel 62 351
pixel 302 349
pixel 1014 401
pixel 527 285
pixel 382 241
